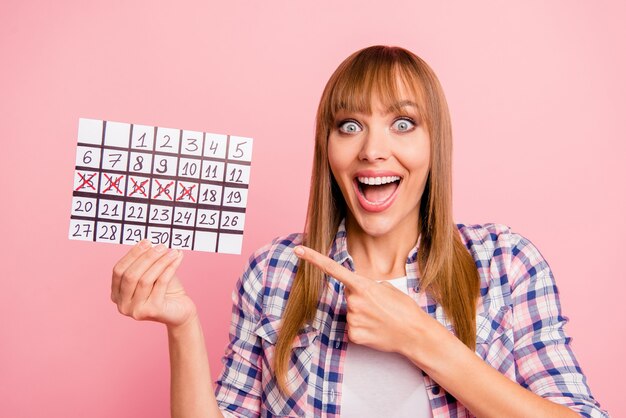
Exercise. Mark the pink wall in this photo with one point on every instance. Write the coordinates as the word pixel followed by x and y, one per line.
pixel 536 91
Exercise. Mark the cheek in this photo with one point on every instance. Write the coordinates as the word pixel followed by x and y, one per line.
pixel 417 158
pixel 337 159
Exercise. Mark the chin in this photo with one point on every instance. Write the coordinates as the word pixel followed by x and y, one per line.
pixel 374 227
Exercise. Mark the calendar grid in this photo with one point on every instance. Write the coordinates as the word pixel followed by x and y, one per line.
pixel 219 222
pixel 195 216
pixel 177 204
pixel 124 221
pixel 149 200
pixel 185 189
pixel 163 177
pixel 180 146
pixel 95 224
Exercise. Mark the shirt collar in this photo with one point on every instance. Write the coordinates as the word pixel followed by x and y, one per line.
pixel 339 249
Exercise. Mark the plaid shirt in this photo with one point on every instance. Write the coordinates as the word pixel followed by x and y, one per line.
pixel 519 331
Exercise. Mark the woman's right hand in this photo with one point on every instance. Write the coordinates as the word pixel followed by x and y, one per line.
pixel 145 287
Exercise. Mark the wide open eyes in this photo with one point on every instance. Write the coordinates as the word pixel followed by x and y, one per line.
pixel 349 127
pixel 403 125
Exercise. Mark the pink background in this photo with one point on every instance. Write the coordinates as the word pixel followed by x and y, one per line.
pixel 536 92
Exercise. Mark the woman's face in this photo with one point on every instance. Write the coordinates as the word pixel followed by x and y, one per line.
pixel 381 162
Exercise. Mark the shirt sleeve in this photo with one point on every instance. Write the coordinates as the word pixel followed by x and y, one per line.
pixel 238 388
pixel 545 362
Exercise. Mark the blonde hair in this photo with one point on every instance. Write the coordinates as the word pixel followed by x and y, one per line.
pixel 448 270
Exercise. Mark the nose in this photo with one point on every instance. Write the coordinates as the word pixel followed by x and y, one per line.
pixel 376 145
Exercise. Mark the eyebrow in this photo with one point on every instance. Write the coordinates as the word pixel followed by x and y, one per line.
pixel 393 108
pixel 401 104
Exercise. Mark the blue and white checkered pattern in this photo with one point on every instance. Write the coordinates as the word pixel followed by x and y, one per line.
pixel 519 330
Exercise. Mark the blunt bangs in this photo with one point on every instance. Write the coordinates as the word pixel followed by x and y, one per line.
pixel 386 72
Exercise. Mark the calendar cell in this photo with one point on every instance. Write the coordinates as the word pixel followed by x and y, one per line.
pixel 138 186
pixel 187 192
pixel 81 230
pixel 161 214
pixel 113 184
pixel 232 221
pixel 140 162
pixel 234 197
pixel 191 143
pixel 167 140
pixel 163 189
pixel 189 167
pixel 207 218
pixel 205 241
pixel 240 148
pixel 135 212
pixel 210 194
pixel 182 239
pixel 110 232
pixel 230 243
pixel 215 146
pixel 133 234
pixel 84 206
pixel 88 157
pixel 114 160
pixel 212 170
pixel 110 209
pixel 142 138
pixel 117 134
pixel 86 181
pixel 237 173
pixel 159 235
pixel 165 165
pixel 185 216
pixel 90 131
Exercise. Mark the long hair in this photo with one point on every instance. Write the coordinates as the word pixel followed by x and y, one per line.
pixel 448 270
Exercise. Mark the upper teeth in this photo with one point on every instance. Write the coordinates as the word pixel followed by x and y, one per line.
pixel 378 180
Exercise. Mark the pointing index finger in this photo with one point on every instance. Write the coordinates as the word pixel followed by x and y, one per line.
pixel 329 266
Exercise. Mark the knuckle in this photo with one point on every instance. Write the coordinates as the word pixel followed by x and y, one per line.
pixel 354 335
pixel 122 309
pixel 355 305
pixel 150 312
pixel 130 277
pixel 118 271
pixel 138 313
pixel 144 282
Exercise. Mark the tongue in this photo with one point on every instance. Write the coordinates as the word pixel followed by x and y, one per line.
pixel 379 193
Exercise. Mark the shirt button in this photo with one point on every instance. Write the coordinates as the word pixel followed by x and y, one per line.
pixel 337 344
pixel 436 390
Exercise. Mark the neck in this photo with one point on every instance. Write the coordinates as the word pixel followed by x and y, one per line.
pixel 380 257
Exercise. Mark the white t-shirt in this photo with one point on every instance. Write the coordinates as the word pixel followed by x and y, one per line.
pixel 380 384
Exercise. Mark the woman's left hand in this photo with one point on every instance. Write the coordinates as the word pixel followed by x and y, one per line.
pixel 379 315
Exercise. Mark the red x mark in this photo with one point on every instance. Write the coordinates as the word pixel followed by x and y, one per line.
pixel 139 187
pixel 165 190
pixel 86 182
pixel 113 183
pixel 186 192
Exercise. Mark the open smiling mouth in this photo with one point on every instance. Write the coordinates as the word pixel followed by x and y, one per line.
pixel 377 193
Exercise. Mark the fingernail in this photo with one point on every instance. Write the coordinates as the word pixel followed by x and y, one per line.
pixel 143 243
pixel 173 253
pixel 159 248
pixel 299 250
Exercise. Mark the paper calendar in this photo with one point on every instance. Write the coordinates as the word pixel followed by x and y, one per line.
pixel 181 188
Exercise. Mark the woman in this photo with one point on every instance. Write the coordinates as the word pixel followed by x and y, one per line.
pixel 408 315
